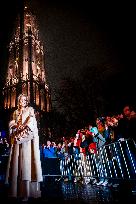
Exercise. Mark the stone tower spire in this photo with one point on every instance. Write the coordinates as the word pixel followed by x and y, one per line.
pixel 26 68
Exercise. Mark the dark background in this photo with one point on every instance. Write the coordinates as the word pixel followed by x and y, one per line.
pixel 87 41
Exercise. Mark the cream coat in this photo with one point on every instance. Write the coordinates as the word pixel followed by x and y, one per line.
pixel 24 159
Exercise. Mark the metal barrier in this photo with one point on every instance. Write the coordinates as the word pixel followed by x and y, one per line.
pixel 116 160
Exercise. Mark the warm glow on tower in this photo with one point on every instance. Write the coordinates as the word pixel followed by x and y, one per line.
pixel 26 67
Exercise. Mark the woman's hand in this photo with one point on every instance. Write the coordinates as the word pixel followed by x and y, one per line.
pixel 21 127
pixel 14 126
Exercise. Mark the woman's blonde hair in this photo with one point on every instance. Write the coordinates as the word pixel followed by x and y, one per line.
pixel 20 96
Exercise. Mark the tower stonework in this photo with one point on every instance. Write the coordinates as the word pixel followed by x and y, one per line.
pixel 26 71
pixel 26 67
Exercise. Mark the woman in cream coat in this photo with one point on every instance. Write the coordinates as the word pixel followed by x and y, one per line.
pixel 24 172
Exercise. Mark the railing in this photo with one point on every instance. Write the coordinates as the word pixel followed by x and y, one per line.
pixel 116 160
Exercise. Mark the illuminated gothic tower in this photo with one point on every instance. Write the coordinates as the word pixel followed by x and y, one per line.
pixel 26 68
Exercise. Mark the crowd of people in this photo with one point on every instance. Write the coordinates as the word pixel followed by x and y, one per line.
pixel 104 130
pixel 91 139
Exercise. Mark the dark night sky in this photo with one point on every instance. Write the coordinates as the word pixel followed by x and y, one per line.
pixel 79 35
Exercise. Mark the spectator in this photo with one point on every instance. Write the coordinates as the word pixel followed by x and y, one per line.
pixel 127 125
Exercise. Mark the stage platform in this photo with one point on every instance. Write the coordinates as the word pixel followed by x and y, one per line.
pixel 56 190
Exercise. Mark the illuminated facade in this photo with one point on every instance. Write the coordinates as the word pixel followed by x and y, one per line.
pixel 26 67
